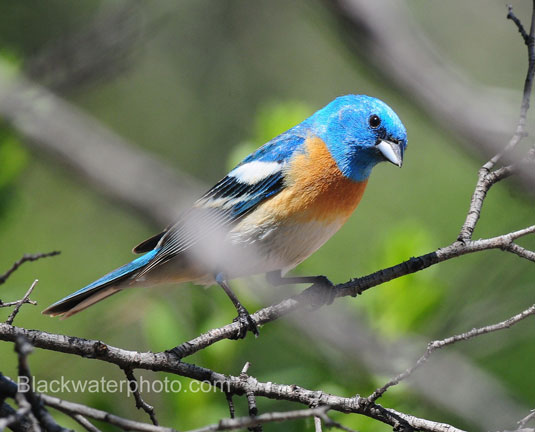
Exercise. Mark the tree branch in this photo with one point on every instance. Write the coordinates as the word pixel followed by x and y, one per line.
pixel 14 416
pixel 72 408
pixel 393 44
pixel 140 403
pixel 437 344
pixel 23 349
pixel 25 258
pixel 272 417
pixel 167 362
pixel 23 300
pixel 522 423
pixel 24 113
pixel 124 173
pixel 356 286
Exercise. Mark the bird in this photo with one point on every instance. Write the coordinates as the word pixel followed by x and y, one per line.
pixel 268 214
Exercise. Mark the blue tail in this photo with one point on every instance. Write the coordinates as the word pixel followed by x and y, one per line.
pixel 100 289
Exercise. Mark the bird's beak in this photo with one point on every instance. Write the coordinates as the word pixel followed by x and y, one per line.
pixel 391 152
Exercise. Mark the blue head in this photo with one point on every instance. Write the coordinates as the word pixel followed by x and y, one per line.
pixel 360 131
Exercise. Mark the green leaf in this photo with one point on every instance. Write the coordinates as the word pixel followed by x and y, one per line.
pixel 13 158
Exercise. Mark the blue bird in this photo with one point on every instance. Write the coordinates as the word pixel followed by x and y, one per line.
pixel 272 211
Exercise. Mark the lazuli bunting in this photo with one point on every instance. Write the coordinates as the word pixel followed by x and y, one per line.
pixel 272 211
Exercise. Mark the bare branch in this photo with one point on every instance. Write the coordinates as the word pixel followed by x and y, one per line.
pixel 124 173
pixel 167 362
pixel 140 403
pixel 251 399
pixel 15 417
pixel 520 132
pixel 79 409
pixel 522 423
pixel 19 304
pixel 405 57
pixel 487 178
pixel 521 252
pixel 521 29
pixel 87 425
pixel 317 424
pixel 15 303
pixel 230 402
pixel 8 388
pixel 353 287
pixel 273 417
pixel 433 346
pixel 26 258
pixel 23 349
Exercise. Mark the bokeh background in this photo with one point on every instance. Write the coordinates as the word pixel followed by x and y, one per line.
pixel 199 84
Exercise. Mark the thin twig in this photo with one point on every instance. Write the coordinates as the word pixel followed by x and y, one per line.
pixel 140 403
pixel 522 423
pixel 435 345
pixel 330 423
pixel 251 399
pixel 243 422
pixel 23 349
pixel 75 408
pixel 521 29
pixel 16 417
pixel 317 424
pixel 87 425
pixel 487 178
pixel 26 258
pixel 521 251
pixel 9 389
pixel 520 132
pixel 230 402
pixel 24 299
pixel 15 303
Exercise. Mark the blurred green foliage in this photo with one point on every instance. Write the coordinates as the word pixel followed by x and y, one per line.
pixel 271 120
pixel 213 74
pixel 13 158
pixel 411 299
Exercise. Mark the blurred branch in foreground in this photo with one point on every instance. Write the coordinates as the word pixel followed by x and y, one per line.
pixel 384 33
pixel 113 166
pixel 97 53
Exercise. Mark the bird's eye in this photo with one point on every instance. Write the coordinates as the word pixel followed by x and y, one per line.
pixel 374 121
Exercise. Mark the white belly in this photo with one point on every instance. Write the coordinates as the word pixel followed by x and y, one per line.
pixel 270 246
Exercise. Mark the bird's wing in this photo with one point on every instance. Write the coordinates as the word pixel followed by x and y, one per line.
pixel 259 177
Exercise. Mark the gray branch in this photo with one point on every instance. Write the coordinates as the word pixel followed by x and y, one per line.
pixel 438 344
pixel 116 168
pixel 167 362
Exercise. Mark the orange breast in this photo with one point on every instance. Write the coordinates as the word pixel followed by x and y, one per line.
pixel 315 188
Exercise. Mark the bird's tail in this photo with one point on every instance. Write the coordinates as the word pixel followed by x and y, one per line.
pixel 100 289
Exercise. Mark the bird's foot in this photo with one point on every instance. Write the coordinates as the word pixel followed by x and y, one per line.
pixel 320 292
pixel 246 323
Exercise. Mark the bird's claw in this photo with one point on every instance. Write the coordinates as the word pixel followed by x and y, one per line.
pixel 321 293
pixel 246 323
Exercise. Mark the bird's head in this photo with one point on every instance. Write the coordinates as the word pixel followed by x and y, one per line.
pixel 360 131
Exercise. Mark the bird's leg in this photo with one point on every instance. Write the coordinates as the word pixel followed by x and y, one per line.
pixel 244 318
pixel 320 290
